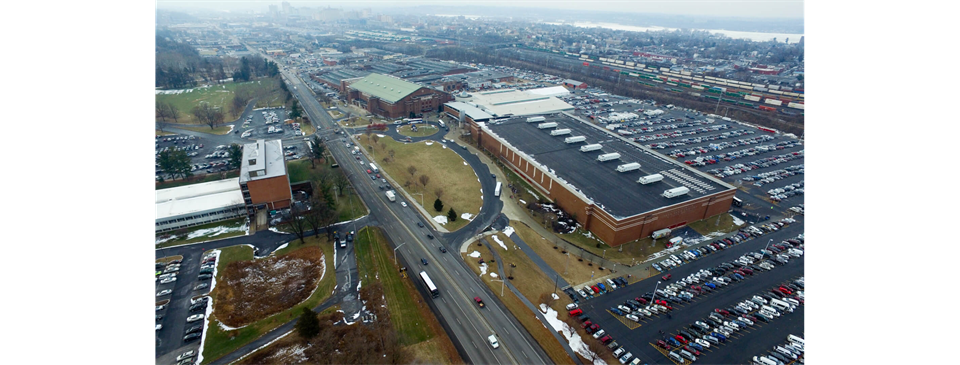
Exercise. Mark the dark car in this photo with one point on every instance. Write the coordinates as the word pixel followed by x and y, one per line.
pixel 663 344
pixel 443 249
pixel 204 276
pixel 430 236
pixel 198 306
pixel 192 337
pixel 419 224
pixel 423 261
pixel 721 311
pixel 159 317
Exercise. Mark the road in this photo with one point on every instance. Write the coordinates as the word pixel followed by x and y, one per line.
pixel 467 324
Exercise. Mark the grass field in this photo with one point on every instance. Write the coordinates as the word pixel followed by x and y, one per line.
pixel 360 122
pixel 220 341
pixel 221 96
pixel 570 269
pixel 530 281
pixel 196 179
pixel 445 169
pixel 161 133
pixel 349 206
pixel 221 130
pixel 423 130
pixel 307 128
pixel 710 225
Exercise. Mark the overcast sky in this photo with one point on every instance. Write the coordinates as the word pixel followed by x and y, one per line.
pixel 718 8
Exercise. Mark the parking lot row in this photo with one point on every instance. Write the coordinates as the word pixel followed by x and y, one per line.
pixel 195 309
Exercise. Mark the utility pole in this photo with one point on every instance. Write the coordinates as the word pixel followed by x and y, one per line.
pixel 501 286
pixel 395 253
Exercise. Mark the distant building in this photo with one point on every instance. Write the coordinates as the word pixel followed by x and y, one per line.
pixel 192 205
pixel 575 84
pixel 392 97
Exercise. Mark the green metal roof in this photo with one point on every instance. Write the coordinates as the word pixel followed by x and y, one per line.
pixel 385 87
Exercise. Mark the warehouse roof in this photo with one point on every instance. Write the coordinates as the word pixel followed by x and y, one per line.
pixel 550 91
pixel 618 193
pixel 390 89
pixel 513 102
pixel 190 199
pixel 470 110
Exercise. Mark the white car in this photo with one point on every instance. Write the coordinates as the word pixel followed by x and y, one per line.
pixel 745 320
pixel 186 355
pixel 633 318
pixel 168 280
pixel 159 326
pixel 403 204
pixel 702 342
pixel 599 333
pixel 194 318
pixel 164 292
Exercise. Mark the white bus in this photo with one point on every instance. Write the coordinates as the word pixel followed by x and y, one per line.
pixel 429 283
pixel 496 192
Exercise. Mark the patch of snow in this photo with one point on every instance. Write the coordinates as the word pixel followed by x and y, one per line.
pixel 280 248
pixel 466 216
pixel 275 230
pixel 380 135
pixel 483 268
pixel 465 163
pixel 508 231
pixel 555 297
pixel 429 143
pixel 736 221
pixel 523 202
pixel 212 232
pixel 587 234
pixel 443 146
pixel 442 219
pixel 499 242
pixel 359 283
pixel 573 338
pixel 532 193
pixel 231 129
pixel 324 271
pixel 200 356
pixel 474 254
pixel 162 240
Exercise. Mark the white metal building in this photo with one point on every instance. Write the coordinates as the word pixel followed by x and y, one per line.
pixel 193 205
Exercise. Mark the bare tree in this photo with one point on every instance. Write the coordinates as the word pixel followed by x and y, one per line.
pixel 324 178
pixel 375 138
pixel 296 221
pixel 319 214
pixel 439 192
pixel 424 180
pixel 392 153
pixel 412 170
pixel 341 183
pixel 161 111
pixel 173 112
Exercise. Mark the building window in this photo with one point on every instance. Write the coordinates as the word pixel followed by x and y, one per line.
pixel 252 161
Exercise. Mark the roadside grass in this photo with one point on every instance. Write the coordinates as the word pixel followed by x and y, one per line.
pixel 233 227
pixel 570 269
pixel 712 224
pixel 633 251
pixel 445 169
pixel 423 130
pixel 336 114
pixel 359 122
pixel 220 341
pixel 375 263
pixel 196 179
pixel 161 133
pixel 523 187
pixel 307 128
pixel 530 322
pixel 165 260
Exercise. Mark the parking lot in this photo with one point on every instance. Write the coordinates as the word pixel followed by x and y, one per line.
pixel 185 299
pixel 637 338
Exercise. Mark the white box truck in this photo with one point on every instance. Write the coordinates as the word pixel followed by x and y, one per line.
pixel 675 192
pixel 546 125
pixel 650 179
pixel 608 157
pixel 574 139
pixel 661 233
pixel 374 168
pixel 535 119
pixel 559 132
pixel 628 167
pixel 591 147
pixel 391 195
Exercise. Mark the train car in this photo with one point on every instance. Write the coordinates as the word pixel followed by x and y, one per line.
pixel 751 98
pixel 729 101
pixel 698 87
pixel 795 105
pixel 773 101
pixel 766 108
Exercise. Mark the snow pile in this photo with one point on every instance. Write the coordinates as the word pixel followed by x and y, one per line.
pixel 483 268
pixel 737 221
pixel 429 143
pixel 523 202
pixel 475 254
pixel 380 135
pixel 231 129
pixel 555 297
pixel 493 274
pixel 466 216
pixel 508 231
pixel 587 234
pixel 275 230
pixel 442 219
pixel 573 338
pixel 465 163
pixel 165 239
pixel 213 232
pixel 280 248
pixel 499 242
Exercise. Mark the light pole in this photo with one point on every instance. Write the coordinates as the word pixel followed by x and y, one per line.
pixel 395 253
pixel 421 198
pixel 555 283
pixel 655 292
pixel 567 264
pixel 501 286
pixel 768 244
pixel 604 254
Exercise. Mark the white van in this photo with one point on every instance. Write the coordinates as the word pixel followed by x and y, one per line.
pixel 796 339
pixel 792 301
pixel 763 360
pixel 779 304
pixel 493 341
pixel 676 241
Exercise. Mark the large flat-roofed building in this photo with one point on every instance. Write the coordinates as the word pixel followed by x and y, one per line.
pixel 602 193
pixel 394 98
pixel 465 112
pixel 514 102
pixel 263 177
pixel 193 205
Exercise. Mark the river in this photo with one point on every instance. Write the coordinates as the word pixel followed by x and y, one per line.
pixel 753 36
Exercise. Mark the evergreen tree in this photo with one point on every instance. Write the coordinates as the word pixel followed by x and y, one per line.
pixel 309 325
pixel 438 205
pixel 452 215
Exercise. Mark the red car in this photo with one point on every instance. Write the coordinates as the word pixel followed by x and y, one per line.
pixel 369 172
pixel 593 328
pixel 640 300
pixel 692 350
pixel 681 339
pixel 666 277
pixel 721 311
pixel 479 302
pixel 576 312
pixel 785 290
pixel 663 345
pixel 586 324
